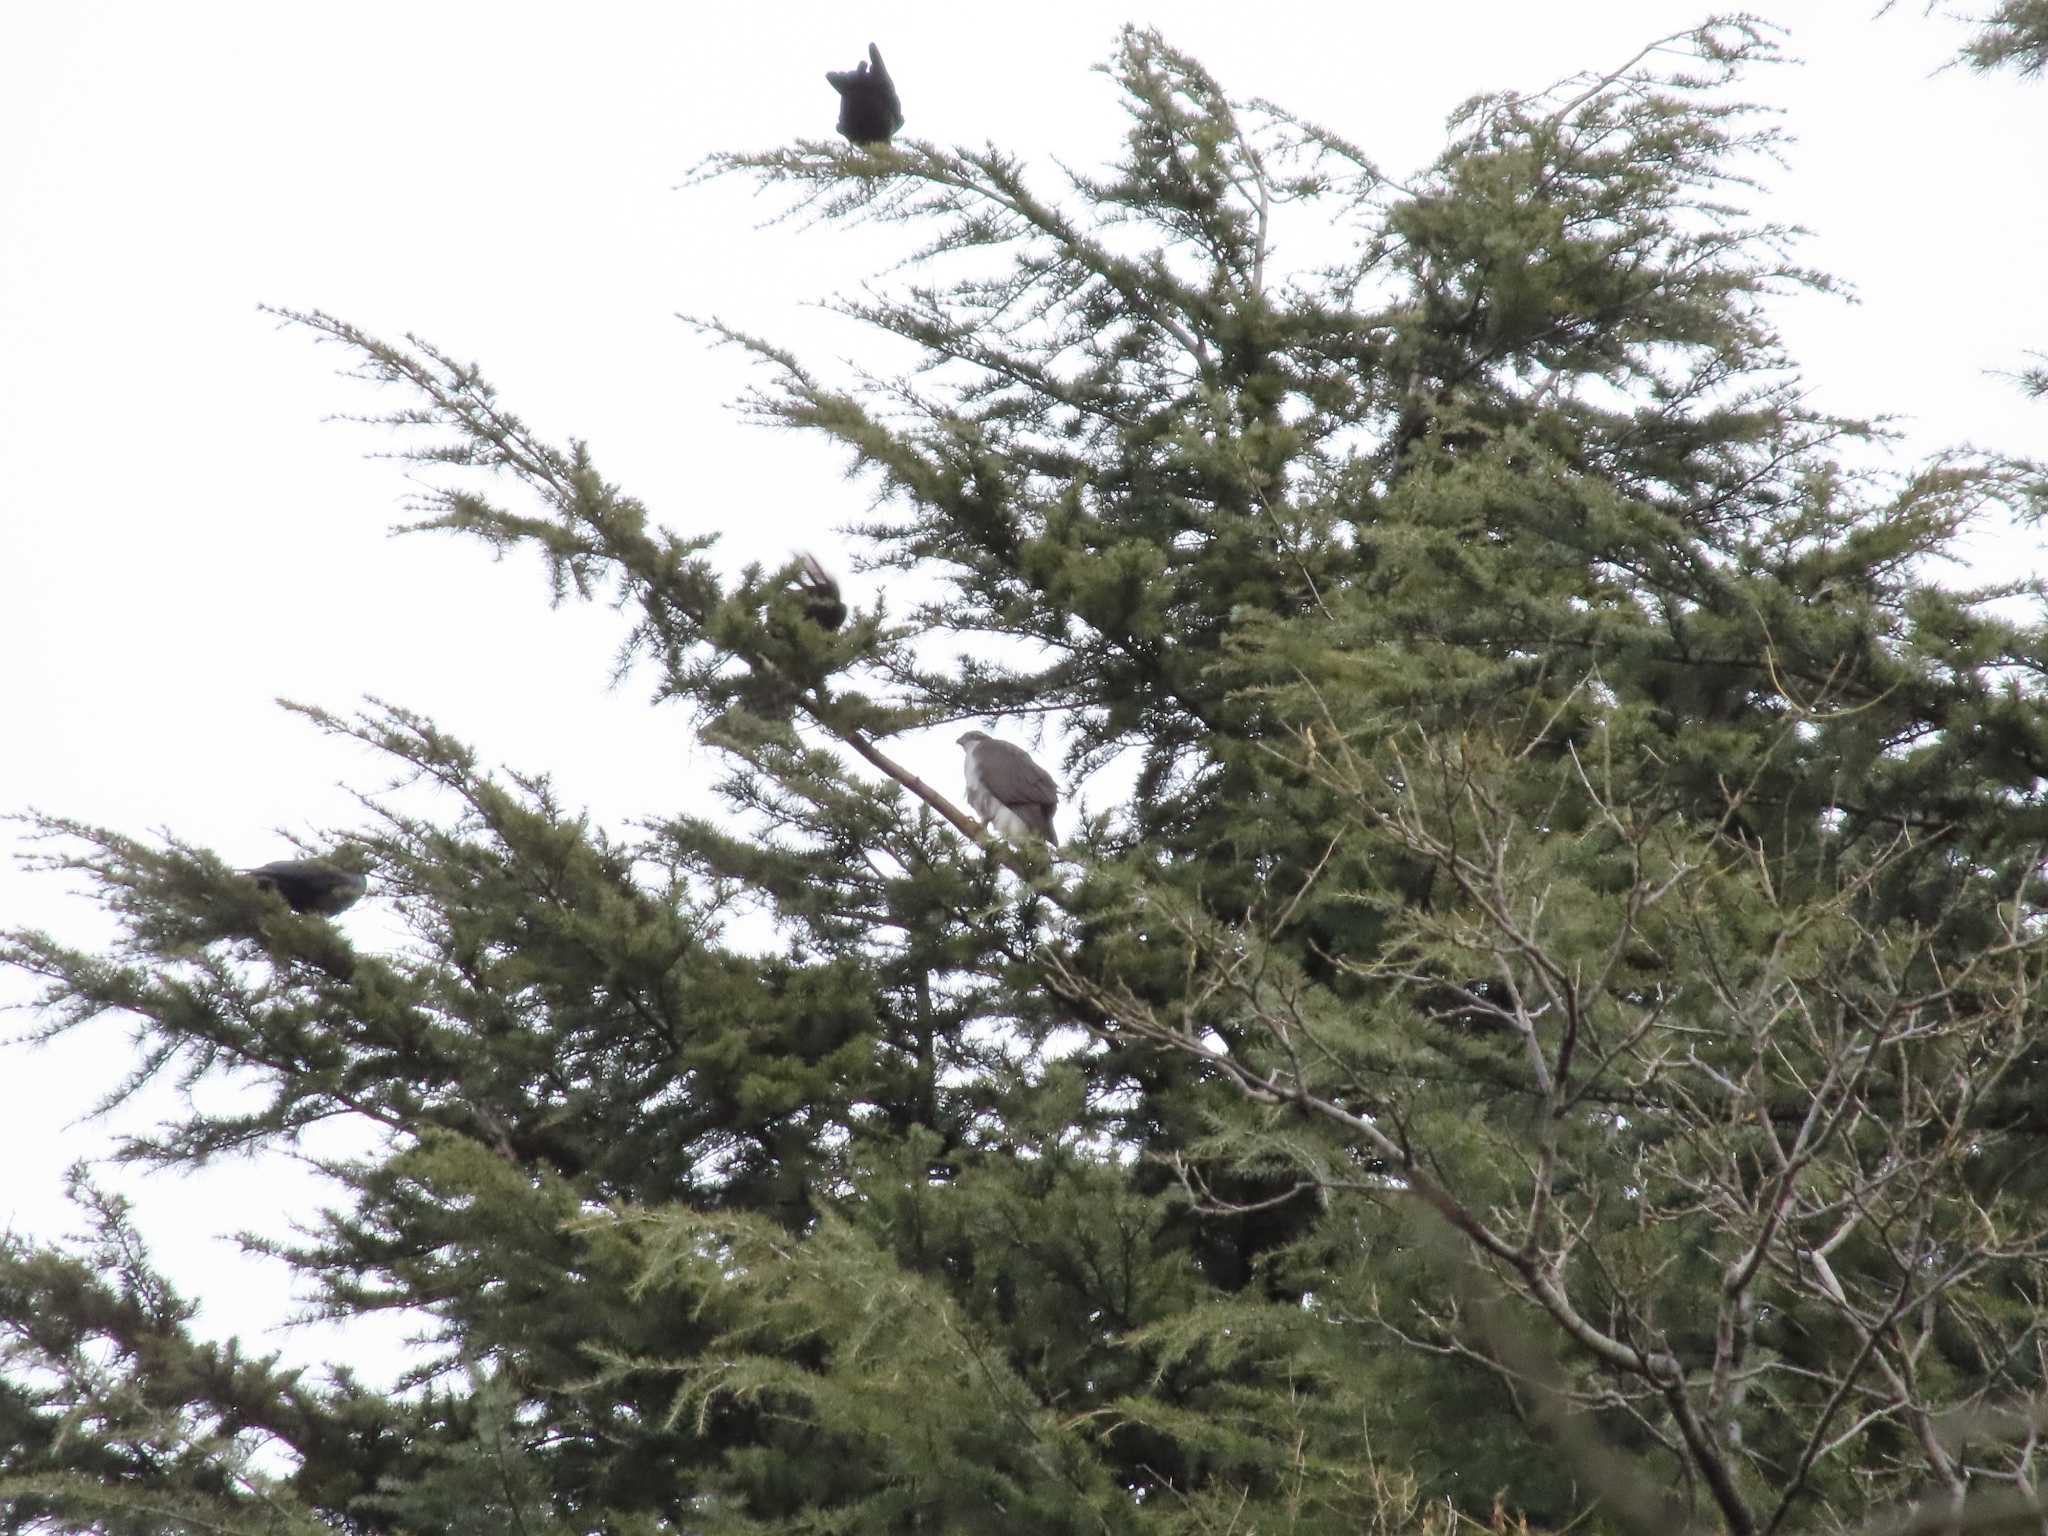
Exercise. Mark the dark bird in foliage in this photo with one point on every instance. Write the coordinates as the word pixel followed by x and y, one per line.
pixel 312 885
pixel 1008 790
pixel 869 112
pixel 823 605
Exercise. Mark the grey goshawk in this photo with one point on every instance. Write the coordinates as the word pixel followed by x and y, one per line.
pixel 1008 790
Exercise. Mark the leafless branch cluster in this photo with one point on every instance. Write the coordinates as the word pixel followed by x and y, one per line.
pixel 1697 1038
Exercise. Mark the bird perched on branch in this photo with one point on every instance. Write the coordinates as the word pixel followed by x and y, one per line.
pixel 869 112
pixel 823 605
pixel 322 887
pixel 1008 790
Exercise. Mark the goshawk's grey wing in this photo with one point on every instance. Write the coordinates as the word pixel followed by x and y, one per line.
pixel 1016 779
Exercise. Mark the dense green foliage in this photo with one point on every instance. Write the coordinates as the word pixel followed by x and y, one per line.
pixel 1552 1035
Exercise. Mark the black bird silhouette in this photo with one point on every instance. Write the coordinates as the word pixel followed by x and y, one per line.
pixel 869 112
pixel 823 605
pixel 311 885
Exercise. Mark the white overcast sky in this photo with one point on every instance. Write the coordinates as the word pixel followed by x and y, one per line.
pixel 184 536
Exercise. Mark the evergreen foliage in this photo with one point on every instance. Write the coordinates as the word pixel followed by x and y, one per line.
pixel 2014 35
pixel 1551 1038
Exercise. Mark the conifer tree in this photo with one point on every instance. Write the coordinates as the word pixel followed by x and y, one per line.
pixel 1551 1036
